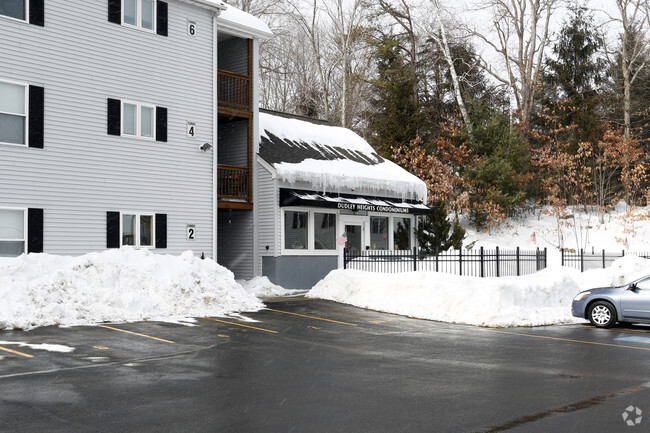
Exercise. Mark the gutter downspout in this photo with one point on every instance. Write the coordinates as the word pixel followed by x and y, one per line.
pixel 215 126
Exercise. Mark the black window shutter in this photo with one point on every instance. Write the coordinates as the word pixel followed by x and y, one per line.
pixel 112 229
pixel 114 113
pixel 115 11
pixel 161 230
pixel 161 124
pixel 37 12
pixel 34 230
pixel 161 18
pixel 36 116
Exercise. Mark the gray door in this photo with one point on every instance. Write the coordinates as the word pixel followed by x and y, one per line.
pixel 636 303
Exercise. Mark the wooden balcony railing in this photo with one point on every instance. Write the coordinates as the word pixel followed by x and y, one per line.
pixel 234 90
pixel 233 183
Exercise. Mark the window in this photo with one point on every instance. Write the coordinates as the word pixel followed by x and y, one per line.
pixel 149 15
pixel 379 233
pixel 133 119
pixel 22 9
pixel 295 230
pixel 14 9
pixel 402 233
pixel 13 113
pixel 324 231
pixel 137 230
pixel 12 232
pixel 139 13
pixel 138 120
pixel 21 114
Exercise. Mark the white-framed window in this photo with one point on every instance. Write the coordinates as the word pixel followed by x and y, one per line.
pixel 140 14
pixel 138 120
pixel 13 232
pixel 137 229
pixel 13 113
pixel 309 231
pixel 15 9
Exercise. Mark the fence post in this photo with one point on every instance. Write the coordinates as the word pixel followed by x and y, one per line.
pixel 537 259
pixel 482 272
pixel 415 260
pixel 545 258
pixel 562 251
pixel 603 258
pixel 497 261
pixel 437 262
pixel 345 261
pixel 460 261
pixel 517 261
pixel 582 260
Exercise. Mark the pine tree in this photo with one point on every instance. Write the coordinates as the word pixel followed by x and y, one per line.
pixel 435 233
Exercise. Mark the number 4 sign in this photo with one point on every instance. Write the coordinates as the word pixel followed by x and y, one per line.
pixel 191 129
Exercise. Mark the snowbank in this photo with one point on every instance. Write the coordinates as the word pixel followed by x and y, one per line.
pixel 262 287
pixel 543 298
pixel 118 286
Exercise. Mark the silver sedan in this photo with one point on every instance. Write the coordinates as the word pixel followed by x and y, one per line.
pixel 603 307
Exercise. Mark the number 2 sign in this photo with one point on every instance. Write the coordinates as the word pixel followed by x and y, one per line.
pixel 191 232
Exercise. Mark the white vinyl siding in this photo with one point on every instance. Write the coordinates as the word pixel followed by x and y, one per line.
pixel 83 171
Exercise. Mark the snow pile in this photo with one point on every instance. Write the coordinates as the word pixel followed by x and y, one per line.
pixel 543 298
pixel 118 286
pixel 262 287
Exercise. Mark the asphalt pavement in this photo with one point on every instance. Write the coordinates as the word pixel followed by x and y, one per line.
pixel 317 366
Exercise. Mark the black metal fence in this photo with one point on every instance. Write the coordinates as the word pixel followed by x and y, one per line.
pixel 585 260
pixel 478 263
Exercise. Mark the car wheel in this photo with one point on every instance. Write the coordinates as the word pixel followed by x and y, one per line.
pixel 602 314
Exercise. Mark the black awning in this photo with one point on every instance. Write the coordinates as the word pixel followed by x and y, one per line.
pixel 293 197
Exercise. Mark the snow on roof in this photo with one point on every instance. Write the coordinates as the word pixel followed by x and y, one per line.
pixel 240 23
pixel 212 4
pixel 331 158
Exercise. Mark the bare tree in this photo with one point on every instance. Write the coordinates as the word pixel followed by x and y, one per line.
pixel 520 36
pixel 634 19
pixel 440 38
pixel 346 17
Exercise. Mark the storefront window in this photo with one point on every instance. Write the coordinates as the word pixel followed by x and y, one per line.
pixel 379 233
pixel 324 231
pixel 402 233
pixel 295 230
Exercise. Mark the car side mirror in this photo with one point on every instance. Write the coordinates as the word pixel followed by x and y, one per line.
pixel 632 287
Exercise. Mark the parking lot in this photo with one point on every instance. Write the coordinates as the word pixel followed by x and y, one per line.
pixel 317 366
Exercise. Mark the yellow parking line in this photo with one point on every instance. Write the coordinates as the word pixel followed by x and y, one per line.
pixel 135 333
pixel 566 339
pixel 311 317
pixel 16 352
pixel 245 326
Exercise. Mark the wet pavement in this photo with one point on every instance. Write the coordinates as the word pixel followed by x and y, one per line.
pixel 317 366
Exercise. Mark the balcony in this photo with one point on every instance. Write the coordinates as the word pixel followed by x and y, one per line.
pixel 234 93
pixel 234 187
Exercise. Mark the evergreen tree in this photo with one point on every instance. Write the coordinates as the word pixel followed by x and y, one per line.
pixel 574 76
pixel 397 116
pixel 435 233
pixel 501 172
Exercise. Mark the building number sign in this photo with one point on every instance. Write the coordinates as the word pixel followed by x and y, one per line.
pixel 191 129
pixel 191 232
pixel 191 28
